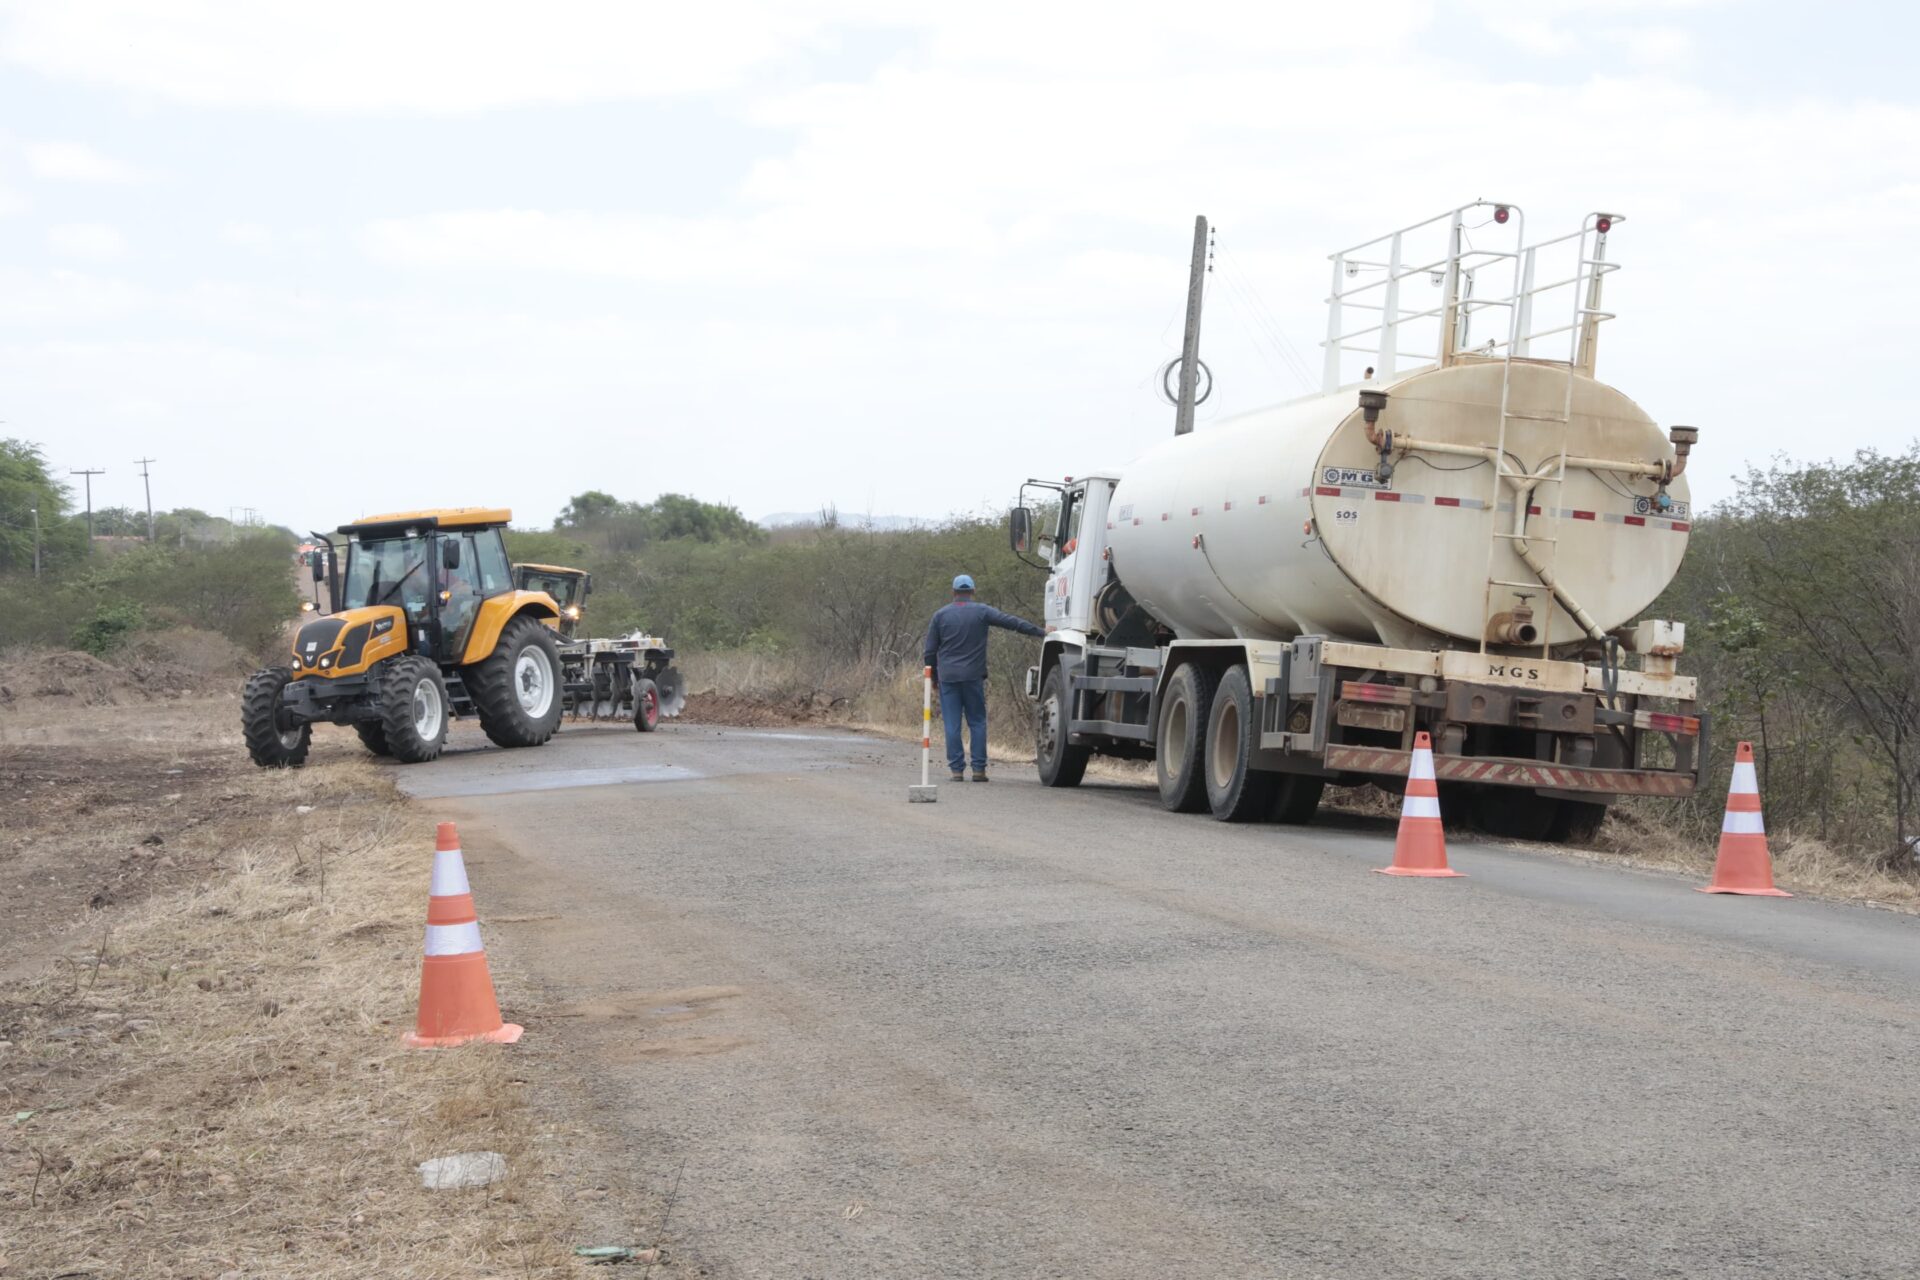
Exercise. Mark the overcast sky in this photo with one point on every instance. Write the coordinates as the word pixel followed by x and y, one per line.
pixel 329 259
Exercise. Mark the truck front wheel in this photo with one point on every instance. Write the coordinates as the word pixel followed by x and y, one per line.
pixel 1179 757
pixel 1062 764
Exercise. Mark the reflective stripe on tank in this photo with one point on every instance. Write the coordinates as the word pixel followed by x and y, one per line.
pixel 1357 493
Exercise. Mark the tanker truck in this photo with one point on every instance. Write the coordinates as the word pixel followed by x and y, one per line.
pixel 1461 545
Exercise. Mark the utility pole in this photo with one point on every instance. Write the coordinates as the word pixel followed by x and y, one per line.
pixel 36 543
pixel 1190 344
pixel 89 473
pixel 146 478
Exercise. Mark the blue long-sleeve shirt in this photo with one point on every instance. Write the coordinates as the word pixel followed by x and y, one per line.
pixel 957 638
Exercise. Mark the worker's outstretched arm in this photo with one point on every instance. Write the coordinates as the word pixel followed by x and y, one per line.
pixel 1011 623
pixel 932 648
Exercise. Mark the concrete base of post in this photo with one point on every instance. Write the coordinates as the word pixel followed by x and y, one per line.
pixel 922 795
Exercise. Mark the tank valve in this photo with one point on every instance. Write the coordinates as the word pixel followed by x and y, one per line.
pixel 1515 627
pixel 1371 404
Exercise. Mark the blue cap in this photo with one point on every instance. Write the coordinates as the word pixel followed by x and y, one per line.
pixel 963 583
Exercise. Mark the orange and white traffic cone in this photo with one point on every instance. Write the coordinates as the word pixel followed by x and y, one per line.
pixel 1744 865
pixel 1421 847
pixel 457 1003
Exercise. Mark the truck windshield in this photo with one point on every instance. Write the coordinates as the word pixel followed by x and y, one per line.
pixel 389 571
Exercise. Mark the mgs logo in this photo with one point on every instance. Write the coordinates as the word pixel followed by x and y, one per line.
pixel 1676 510
pixel 1350 477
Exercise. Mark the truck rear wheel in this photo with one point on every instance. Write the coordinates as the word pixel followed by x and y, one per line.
pixel 272 740
pixel 1577 822
pixel 1514 813
pixel 1236 791
pixel 1179 758
pixel 1061 763
pixel 1296 796
pixel 413 710
pixel 516 688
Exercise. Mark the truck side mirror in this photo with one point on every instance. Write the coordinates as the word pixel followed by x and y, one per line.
pixel 449 554
pixel 1020 530
pixel 317 567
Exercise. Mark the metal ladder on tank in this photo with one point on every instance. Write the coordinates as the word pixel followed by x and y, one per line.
pixel 1522 485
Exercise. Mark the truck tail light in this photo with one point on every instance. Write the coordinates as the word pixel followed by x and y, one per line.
pixel 1356 691
pixel 1660 722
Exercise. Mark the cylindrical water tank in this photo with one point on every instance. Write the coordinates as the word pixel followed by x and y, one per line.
pixel 1275 524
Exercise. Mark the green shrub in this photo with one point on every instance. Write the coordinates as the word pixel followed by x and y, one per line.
pixel 108 629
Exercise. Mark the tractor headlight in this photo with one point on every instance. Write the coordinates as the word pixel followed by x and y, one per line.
pixel 572 611
pixel 306 606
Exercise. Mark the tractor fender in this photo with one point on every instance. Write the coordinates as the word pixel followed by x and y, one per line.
pixel 497 611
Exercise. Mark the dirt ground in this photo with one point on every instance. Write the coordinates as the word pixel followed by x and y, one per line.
pixel 206 973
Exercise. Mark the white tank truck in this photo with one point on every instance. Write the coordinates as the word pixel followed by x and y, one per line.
pixel 1283 599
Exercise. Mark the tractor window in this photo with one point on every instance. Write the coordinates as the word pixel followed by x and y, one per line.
pixel 495 573
pixel 389 571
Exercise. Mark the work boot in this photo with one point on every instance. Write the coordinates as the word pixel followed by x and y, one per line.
pixel 979 775
pixel 956 777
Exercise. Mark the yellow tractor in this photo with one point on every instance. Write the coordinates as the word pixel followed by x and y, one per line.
pixel 425 623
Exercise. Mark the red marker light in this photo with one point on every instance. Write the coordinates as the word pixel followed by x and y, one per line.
pixel 1501 213
pixel 1603 226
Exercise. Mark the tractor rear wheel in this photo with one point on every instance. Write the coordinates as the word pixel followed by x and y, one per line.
pixel 373 736
pixel 516 688
pixel 413 710
pixel 272 741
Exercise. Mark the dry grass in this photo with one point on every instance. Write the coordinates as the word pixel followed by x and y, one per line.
pixel 211 1082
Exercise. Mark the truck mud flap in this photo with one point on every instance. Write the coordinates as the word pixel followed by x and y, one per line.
pixel 1501 772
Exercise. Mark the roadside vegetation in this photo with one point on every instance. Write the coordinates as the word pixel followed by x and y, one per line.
pixel 200 572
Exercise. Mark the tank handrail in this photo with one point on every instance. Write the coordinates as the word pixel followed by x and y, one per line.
pixel 1427 222
pixel 1505 270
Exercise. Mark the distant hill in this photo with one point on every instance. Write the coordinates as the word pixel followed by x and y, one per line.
pixel 847 519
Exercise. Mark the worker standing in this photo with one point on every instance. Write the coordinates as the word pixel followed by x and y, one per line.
pixel 957 653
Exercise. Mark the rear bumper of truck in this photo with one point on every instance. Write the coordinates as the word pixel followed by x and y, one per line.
pixel 1505 772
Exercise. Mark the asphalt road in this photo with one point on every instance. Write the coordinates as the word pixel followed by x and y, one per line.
pixel 1026 1033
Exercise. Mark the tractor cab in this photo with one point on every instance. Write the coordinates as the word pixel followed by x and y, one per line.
pixel 568 587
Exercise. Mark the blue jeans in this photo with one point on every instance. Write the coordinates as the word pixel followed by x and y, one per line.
pixel 968 698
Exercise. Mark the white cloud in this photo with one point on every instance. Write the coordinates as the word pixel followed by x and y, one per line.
pixel 250 236
pixel 77 162
pixel 428 55
pixel 94 240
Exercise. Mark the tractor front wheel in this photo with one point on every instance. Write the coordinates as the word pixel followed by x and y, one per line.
pixel 516 688
pixel 413 710
pixel 272 740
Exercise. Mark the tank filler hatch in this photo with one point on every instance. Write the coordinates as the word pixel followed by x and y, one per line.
pixel 1466 285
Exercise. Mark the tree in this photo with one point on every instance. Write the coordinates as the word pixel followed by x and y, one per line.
pixel 1829 556
pixel 26 487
